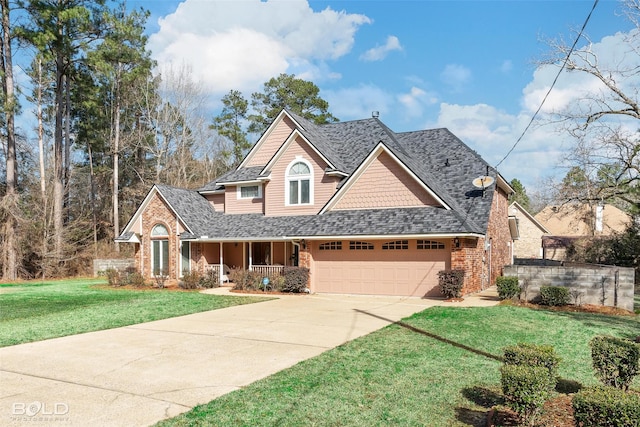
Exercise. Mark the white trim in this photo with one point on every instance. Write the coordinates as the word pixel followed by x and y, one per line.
pixel 344 237
pixel 239 191
pixel 528 215
pixel 502 183
pixel 287 143
pixel 245 182
pixel 221 272
pixel 143 206
pixel 289 178
pixel 132 239
pixel 360 170
pixel 337 173
pixel 207 192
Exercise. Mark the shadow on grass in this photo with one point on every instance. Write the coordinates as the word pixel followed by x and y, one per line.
pixel 434 336
pixel 471 417
pixel 568 386
pixel 484 397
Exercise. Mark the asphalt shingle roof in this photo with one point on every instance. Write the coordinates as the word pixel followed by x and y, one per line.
pixel 190 206
pixel 437 157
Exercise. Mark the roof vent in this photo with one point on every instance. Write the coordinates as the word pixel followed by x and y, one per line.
pixel 446 162
pixel 375 114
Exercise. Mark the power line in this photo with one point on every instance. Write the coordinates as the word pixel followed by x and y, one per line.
pixel 564 64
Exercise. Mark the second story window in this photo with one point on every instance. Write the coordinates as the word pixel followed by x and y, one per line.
pixel 299 184
pixel 249 192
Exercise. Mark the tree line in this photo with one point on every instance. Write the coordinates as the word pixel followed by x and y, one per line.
pixel 109 124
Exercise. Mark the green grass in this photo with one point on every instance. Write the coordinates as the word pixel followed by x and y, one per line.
pixel 438 369
pixel 37 311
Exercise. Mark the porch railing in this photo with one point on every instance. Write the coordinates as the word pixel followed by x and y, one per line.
pixel 265 270
pixel 268 270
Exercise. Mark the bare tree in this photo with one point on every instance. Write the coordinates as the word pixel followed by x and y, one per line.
pixel 604 119
pixel 182 139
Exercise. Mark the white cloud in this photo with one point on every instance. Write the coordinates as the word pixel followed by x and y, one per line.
pixel 456 76
pixel 542 151
pixel 359 102
pixel 492 133
pixel 240 44
pixel 378 53
pixel 415 100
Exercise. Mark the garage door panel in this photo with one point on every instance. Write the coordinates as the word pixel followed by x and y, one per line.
pixel 410 273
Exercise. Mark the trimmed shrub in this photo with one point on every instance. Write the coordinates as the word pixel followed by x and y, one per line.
pixel 615 360
pixel 113 277
pixel 189 280
pixel 135 279
pixel 525 389
pixel 209 279
pixel 277 282
pixel 603 406
pixel 245 280
pixel 526 354
pixel 507 287
pixel 160 279
pixel 451 282
pixel 554 295
pixel 295 279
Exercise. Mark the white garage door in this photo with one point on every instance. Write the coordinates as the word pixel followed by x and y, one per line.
pixel 398 269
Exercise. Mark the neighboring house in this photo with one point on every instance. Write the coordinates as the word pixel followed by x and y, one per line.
pixel 367 210
pixel 529 241
pixel 571 222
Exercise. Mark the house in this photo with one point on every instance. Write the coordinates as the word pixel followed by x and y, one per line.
pixel 528 243
pixel 572 222
pixel 583 219
pixel 367 210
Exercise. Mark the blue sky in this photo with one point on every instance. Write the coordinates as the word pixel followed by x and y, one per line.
pixel 469 66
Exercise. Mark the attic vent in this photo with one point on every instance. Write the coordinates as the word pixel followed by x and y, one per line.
pixel 375 114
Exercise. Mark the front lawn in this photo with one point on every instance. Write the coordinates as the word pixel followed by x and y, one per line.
pixel 36 311
pixel 439 368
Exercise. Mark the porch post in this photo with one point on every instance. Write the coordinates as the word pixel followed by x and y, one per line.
pixel 244 255
pixel 271 253
pixel 220 272
pixel 250 260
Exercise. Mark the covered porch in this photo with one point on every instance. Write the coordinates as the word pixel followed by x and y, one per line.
pixel 268 258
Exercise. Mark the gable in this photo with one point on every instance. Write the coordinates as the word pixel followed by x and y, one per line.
pixel 322 189
pixel 270 142
pixel 385 183
pixel 525 219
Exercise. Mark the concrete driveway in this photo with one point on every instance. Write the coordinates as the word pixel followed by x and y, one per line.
pixel 138 375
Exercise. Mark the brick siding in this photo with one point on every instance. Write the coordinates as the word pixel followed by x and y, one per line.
pixel 158 212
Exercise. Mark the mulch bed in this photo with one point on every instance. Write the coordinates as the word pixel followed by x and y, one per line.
pixel 258 292
pixel 556 412
pixel 585 308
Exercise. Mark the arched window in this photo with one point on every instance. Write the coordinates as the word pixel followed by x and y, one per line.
pixel 299 185
pixel 159 231
pixel 160 250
